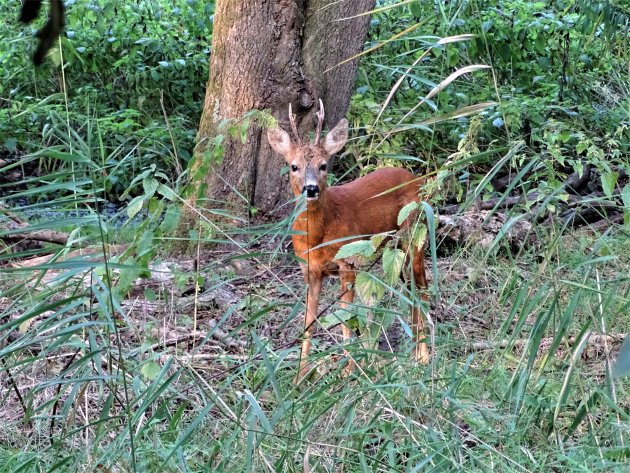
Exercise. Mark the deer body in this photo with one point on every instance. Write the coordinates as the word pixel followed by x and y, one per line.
pixel 366 206
pixel 355 208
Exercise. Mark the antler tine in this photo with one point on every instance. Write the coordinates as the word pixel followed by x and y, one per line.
pixel 293 125
pixel 320 122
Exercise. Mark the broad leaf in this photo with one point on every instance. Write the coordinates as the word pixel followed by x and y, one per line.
pixel 135 206
pixel 369 289
pixel 378 239
pixel 356 248
pixel 393 260
pixel 150 185
pixel 609 179
pixel 406 211
pixel 335 318
pixel 151 370
pixel 167 192
pixel 419 236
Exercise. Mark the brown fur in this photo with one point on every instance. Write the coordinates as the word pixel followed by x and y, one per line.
pixel 366 206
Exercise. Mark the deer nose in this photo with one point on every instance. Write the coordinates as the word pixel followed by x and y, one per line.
pixel 311 191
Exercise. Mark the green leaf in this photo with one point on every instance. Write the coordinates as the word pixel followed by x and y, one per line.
pixel 258 412
pixel 419 236
pixel 150 185
pixel 609 179
pixel 356 248
pixel 393 261
pixel 167 192
pixel 335 318
pixel 369 289
pixel 150 295
pixel 151 370
pixel 378 239
pixel 579 168
pixel 625 198
pixel 171 219
pixel 135 206
pixel 10 144
pixel 406 211
pixel 415 9
pixel 622 365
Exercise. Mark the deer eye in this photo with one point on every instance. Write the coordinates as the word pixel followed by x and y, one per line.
pixel 294 167
pixel 323 167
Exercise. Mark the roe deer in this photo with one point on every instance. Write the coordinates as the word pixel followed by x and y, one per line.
pixel 368 205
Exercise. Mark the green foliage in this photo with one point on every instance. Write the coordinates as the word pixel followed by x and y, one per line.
pixel 519 380
pixel 126 68
pixel 559 77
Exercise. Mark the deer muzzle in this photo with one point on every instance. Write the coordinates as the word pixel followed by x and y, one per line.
pixel 311 191
pixel 311 185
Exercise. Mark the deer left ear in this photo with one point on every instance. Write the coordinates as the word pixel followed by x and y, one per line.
pixel 336 138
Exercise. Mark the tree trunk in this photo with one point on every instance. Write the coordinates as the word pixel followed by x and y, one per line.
pixel 265 55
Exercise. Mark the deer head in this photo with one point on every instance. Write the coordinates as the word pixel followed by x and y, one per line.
pixel 308 162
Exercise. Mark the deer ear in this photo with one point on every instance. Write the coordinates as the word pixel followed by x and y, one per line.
pixel 280 141
pixel 336 138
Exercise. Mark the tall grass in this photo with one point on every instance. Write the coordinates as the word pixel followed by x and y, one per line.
pixel 92 378
pixel 519 382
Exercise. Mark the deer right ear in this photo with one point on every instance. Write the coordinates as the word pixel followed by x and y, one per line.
pixel 280 141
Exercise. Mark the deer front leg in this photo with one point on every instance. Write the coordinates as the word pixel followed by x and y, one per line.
pixel 420 350
pixel 348 278
pixel 310 316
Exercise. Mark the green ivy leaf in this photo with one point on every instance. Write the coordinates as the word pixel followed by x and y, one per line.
pixel 369 289
pixel 406 211
pixel 393 261
pixel 356 248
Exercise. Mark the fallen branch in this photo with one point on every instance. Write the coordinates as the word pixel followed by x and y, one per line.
pixel 12 234
pixel 90 254
pixel 44 236
pixel 482 228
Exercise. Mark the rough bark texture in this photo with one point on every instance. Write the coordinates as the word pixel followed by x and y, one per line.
pixel 266 54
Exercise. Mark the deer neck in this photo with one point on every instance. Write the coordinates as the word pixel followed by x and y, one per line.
pixel 312 221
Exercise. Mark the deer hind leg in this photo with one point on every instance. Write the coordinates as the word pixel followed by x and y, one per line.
pixel 420 350
pixel 310 316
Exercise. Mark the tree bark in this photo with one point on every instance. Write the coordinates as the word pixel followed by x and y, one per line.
pixel 265 55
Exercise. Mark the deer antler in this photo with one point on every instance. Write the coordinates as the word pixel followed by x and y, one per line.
pixel 293 125
pixel 320 122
